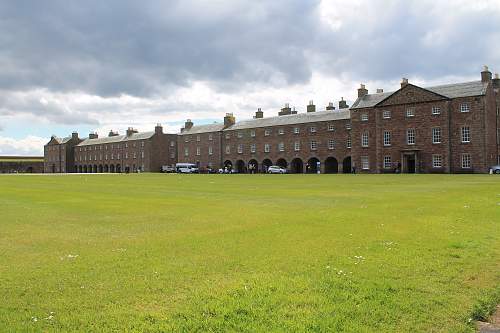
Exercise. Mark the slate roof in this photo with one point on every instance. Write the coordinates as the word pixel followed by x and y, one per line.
pixel 60 140
pixel 203 129
pixel 466 89
pixel 298 118
pixel 117 138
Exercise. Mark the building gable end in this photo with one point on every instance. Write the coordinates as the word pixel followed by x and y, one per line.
pixel 411 94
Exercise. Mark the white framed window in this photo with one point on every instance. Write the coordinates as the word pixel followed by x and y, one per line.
pixel 410 112
pixel 348 126
pixel 253 148
pixel 142 155
pixel 198 151
pixel 387 138
pixel 365 163
pixel 210 137
pixel 296 146
pixel 117 156
pixel 186 139
pixel 314 145
pixel 172 155
pixel 252 133
pixel 436 110
pixel 281 131
pixel 348 142
pixel 436 135
pixel 135 154
pixel 210 150
pixel 267 132
pixel 466 161
pixel 126 155
pixel 228 149
pixel 134 145
pixel 364 139
pixel 296 130
pixel 172 143
pixel 410 136
pixel 464 107
pixel 281 146
pixel 331 127
pixel 465 134
pixel 387 162
pixel 267 148
pixel 386 114
pixel 312 129
pixel 364 117
pixel 142 144
pixel 198 139
pixel 437 161
pixel 228 136
pixel 331 144
pixel 240 149
pixel 240 134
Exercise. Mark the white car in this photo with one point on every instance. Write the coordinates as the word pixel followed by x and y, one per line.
pixel 186 168
pixel 495 169
pixel 276 169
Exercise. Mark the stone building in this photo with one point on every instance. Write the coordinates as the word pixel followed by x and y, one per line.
pixel 21 164
pixel 444 129
pixel 59 154
pixel 131 152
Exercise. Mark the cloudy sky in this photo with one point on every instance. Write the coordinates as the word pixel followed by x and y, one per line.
pixel 98 65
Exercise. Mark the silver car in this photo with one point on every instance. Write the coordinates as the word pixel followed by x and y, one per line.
pixel 496 169
pixel 276 169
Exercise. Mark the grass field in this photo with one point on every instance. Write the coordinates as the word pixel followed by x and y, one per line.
pixel 339 253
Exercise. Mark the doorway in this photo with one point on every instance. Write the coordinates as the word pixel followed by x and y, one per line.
pixel 410 163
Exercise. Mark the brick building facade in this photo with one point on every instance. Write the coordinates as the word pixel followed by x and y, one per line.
pixel 59 154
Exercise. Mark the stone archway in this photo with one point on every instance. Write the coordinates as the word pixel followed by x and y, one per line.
pixel 346 165
pixel 106 168
pixel 331 165
pixel 266 164
pixel 100 168
pixel 297 166
pixel 118 168
pixel 240 166
pixel 228 165
pixel 282 163
pixel 312 165
pixel 253 166
pixel 112 168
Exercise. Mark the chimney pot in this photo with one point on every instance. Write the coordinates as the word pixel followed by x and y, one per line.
pixel 343 104
pixel 404 82
pixel 259 114
pixel 379 91
pixel 362 91
pixel 486 75
pixel 229 120
pixel 286 110
pixel 311 107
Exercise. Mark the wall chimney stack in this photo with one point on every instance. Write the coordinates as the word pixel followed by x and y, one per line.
pixel 343 104
pixel 486 75
pixel 330 106
pixel 131 131
pixel 158 129
pixel 229 120
pixel 286 110
pixel 113 133
pixel 259 114
pixel 93 135
pixel 74 136
pixel 311 107
pixel 188 124
pixel 404 82
pixel 380 91
pixel 362 91
pixel 496 81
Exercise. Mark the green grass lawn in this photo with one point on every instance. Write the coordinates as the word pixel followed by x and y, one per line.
pixel 246 253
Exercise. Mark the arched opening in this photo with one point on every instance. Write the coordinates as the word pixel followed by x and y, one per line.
pixel 53 168
pixel 282 163
pixel 89 168
pixel 118 168
pixel 106 168
pixel 100 168
pixel 228 165
pixel 79 169
pixel 346 165
pixel 266 164
pixel 29 170
pixel 253 166
pixel 112 168
pixel 312 165
pixel 297 166
pixel 331 165
pixel 84 169
pixel 240 166
pixel 95 168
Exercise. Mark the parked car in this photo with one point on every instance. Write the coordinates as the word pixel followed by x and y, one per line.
pixel 496 169
pixel 186 168
pixel 167 169
pixel 276 169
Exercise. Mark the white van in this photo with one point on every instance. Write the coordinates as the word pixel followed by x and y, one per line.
pixel 186 168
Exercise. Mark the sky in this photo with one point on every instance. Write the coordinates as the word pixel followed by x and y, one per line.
pixel 95 66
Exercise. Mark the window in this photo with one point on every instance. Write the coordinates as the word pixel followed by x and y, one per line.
pixel 172 143
pixel 331 127
pixel 252 133
pixel 267 132
pixel 198 151
pixel 172 155
pixel 228 136
pixel 126 154
pixel 348 126
pixel 348 142
pixel 410 136
pixel 281 146
pixel 198 138
pixel 436 135
pixel 228 149
pixel 240 149
pixel 296 130
pixel 387 162
pixel 112 156
pixel 437 161
pixel 464 107
pixel 331 144
pixel 240 135
pixel 387 138
pixel 134 145
pixel 296 146
pixel 365 163
pixel 142 143
pixel 135 155
pixel 312 129
pixel 466 161
pixel 253 147
pixel 410 112
pixel 281 131
pixel 364 117
pixel 465 134
pixel 117 156
pixel 436 110
pixel 186 139
pixel 364 139
pixel 267 148
pixel 210 150
pixel 386 114
pixel 142 154
pixel 210 137
pixel 314 145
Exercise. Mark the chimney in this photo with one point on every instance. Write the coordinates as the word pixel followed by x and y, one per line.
pixel 259 114
pixel 362 91
pixel 93 135
pixel 158 129
pixel 285 111
pixel 485 75
pixel 496 81
pixel 74 136
pixel 229 120
pixel 131 131
pixel 330 107
pixel 380 91
pixel 113 133
pixel 293 111
pixel 311 107
pixel 343 104
pixel 188 124
pixel 404 82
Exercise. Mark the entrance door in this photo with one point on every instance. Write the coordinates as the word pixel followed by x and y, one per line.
pixel 410 163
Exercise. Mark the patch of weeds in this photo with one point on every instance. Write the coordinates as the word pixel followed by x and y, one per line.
pixel 486 305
